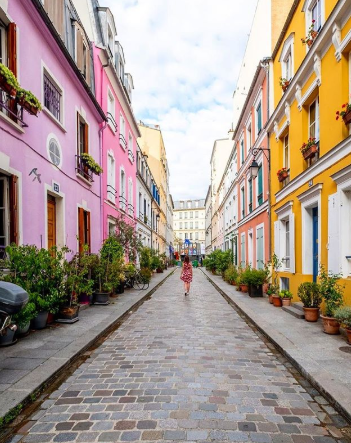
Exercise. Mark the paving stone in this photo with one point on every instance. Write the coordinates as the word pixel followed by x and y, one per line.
pixel 147 424
pixel 130 436
pixel 174 435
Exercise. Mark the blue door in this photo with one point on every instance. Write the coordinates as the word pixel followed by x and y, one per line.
pixel 315 242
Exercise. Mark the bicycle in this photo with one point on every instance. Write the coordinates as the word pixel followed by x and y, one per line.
pixel 136 281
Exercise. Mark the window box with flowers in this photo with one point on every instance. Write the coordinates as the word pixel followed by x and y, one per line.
pixel 309 149
pixel 284 83
pixel 8 81
pixel 91 164
pixel 345 113
pixel 282 174
pixel 311 35
pixel 28 101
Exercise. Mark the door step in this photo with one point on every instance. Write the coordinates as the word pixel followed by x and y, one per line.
pixel 296 312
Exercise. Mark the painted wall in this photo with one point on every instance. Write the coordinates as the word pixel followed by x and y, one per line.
pixel 23 150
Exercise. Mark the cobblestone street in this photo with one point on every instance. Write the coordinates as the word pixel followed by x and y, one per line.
pixel 183 369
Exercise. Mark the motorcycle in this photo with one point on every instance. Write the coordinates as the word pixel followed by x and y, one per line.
pixel 12 299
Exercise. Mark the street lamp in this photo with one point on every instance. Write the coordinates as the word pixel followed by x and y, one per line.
pixel 254 169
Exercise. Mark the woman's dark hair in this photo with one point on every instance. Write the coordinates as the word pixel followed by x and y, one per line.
pixel 186 259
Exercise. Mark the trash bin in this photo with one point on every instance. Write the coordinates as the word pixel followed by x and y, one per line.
pixel 195 264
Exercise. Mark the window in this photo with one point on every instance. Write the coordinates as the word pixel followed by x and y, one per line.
pixel 242 202
pixel 259 118
pixel 52 97
pixel 191 225
pixel 287 244
pixel 196 236
pixel 8 212
pixel 250 196
pixel 110 41
pixel 130 197
pixel 185 215
pixel 242 151
pixel 284 238
pixel 122 132
pixel 243 251
pixel 111 178
pixel 191 235
pixel 259 248
pixel 286 152
pixel 196 214
pixel 130 143
pixel 249 136
pixel 186 225
pixel 181 225
pixel 317 14
pixel 83 229
pixel 191 214
pixel 82 147
pixel 3 43
pixel 111 108
pixel 314 120
pixel 54 152
pixel 196 225
pixel 189 204
pixel 260 186
pixel 288 67
pixel 181 205
pixel 111 228
pixel 180 215
pixel 185 235
pixel 122 190
pixel 196 204
pixel 55 10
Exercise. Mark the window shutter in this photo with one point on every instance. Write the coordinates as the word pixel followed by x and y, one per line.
pixel 55 10
pixel 333 233
pixel 260 181
pixel 88 231
pixel 292 242
pixel 81 229
pixel 277 238
pixel 12 48
pixel 86 138
pixel 13 210
pixel 79 49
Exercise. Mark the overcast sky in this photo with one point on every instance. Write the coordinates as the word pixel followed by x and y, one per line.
pixel 185 57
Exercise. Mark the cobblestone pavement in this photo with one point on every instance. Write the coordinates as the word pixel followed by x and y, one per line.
pixel 183 369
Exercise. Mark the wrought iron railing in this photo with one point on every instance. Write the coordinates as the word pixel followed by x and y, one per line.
pixel 111 194
pixel 10 107
pixel 112 120
pixel 123 202
pixel 83 170
pixel 52 98
pixel 130 155
pixel 130 209
pixel 122 141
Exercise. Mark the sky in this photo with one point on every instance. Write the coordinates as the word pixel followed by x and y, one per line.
pixel 185 58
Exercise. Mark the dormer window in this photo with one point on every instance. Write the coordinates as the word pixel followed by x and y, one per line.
pixel 110 41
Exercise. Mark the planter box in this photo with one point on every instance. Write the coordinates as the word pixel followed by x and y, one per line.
pixel 101 298
pixel 347 118
pixel 68 314
pixel 311 152
pixel 283 176
pixel 6 87
pixel 255 291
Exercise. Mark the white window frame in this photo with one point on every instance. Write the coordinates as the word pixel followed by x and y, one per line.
pixel 250 248
pixel 308 8
pixel 288 50
pixel 285 214
pixel 309 200
pixel 261 265
pixel 49 138
pixel 111 108
pixel 122 130
pixel 45 70
pixel 243 262
pixel 3 39
pixel 130 194
pixel 286 149
pixel 122 187
pixel 317 120
pixel 111 175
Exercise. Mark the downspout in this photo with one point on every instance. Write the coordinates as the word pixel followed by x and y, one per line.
pixel 269 170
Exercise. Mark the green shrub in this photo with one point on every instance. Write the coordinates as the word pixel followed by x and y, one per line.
pixel 145 258
pixel 231 274
pixel 25 315
pixel 309 294
pixel 285 294
pixel 343 316
pixel 9 76
pixel 146 274
pixel 331 291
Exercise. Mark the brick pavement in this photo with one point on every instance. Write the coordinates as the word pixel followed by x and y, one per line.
pixel 182 369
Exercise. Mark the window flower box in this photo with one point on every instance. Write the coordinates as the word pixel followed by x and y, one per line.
pixel 282 174
pixel 309 149
pixel 91 164
pixel 8 81
pixel 311 36
pixel 345 113
pixel 284 83
pixel 28 101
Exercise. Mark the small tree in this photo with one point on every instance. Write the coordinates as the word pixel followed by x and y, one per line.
pixel 331 291
pixel 127 237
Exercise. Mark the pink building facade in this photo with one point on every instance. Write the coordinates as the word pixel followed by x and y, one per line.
pixel 251 144
pixel 119 136
pixel 48 196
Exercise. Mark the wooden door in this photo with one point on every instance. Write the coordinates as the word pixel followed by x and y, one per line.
pixel 51 221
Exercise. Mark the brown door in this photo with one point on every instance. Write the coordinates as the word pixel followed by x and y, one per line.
pixel 51 221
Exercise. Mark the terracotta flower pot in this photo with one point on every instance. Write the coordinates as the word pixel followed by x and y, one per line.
pixel 283 176
pixel 330 325
pixel 348 333
pixel 50 318
pixel 285 86
pixel 233 283
pixel 277 301
pixel 310 152
pixel 311 314
pixel 270 299
pixel 309 43
pixel 347 118
pixel 244 288
pixel 286 301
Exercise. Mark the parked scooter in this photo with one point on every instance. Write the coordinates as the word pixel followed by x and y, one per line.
pixel 12 299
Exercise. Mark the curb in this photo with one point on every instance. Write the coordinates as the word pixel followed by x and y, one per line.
pixel 346 413
pixel 31 396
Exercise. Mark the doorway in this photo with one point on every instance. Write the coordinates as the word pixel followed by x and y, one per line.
pixel 315 243
pixel 51 208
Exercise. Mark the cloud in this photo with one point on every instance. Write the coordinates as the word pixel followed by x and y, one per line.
pixel 185 57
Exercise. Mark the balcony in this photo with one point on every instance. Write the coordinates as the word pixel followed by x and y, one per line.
pixel 10 107
pixel 122 141
pixel 130 156
pixel 83 170
pixel 123 204
pixel 111 194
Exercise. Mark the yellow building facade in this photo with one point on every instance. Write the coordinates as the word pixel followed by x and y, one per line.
pixel 311 198
pixel 152 145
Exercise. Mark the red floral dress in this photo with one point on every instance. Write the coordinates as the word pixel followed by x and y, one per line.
pixel 187 274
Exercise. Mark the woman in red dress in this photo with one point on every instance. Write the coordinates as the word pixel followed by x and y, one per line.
pixel 187 274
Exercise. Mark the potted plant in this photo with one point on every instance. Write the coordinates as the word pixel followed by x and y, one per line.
pixel 231 275
pixel 309 149
pixel 271 291
pixel 244 279
pixel 286 297
pixel 284 83
pixel 277 301
pixel 343 316
pixel 345 113
pixel 91 164
pixel 29 101
pixel 311 35
pixel 282 174
pixel 8 81
pixel 255 279
pixel 23 319
pixel 332 294
pixel 268 277
pixel 311 298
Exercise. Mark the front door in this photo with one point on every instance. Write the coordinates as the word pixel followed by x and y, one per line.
pixel 51 221
pixel 315 242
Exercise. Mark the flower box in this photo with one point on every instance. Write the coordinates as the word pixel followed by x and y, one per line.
pixel 310 152
pixel 9 89
pixel 283 176
pixel 347 118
